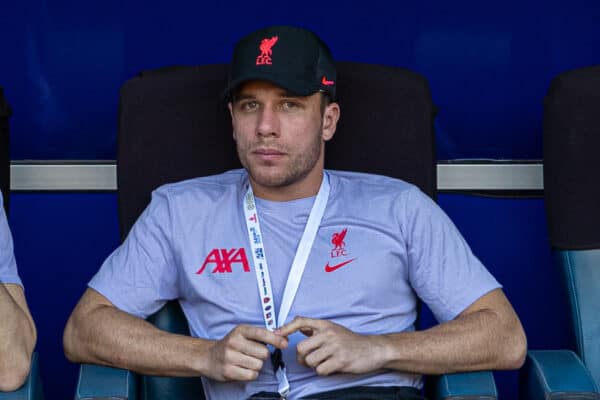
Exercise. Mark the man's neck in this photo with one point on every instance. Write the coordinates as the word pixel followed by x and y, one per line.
pixel 307 187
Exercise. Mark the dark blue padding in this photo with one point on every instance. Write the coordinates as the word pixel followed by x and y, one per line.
pixel 105 383
pixel 556 374
pixel 581 270
pixel 5 113
pixel 32 388
pixel 571 143
pixel 464 386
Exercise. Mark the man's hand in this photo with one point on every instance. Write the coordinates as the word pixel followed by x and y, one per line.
pixel 486 335
pixel 99 333
pixel 331 348
pixel 240 355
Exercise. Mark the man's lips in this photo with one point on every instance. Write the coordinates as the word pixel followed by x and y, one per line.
pixel 268 154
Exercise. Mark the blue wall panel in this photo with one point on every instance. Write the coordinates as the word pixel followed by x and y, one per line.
pixel 62 238
pixel 60 241
pixel 489 64
pixel 510 238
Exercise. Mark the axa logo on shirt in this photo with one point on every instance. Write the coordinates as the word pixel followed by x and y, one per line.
pixel 224 260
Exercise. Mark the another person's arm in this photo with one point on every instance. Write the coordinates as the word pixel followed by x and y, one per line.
pixel 17 337
pixel 97 332
pixel 486 335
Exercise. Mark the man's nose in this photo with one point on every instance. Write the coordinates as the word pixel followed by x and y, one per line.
pixel 268 123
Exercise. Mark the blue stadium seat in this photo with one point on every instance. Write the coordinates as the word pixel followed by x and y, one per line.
pixel 572 194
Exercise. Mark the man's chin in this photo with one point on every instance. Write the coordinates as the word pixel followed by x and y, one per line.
pixel 270 181
pixel 271 177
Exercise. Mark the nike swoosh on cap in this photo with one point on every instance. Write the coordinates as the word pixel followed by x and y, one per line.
pixel 325 82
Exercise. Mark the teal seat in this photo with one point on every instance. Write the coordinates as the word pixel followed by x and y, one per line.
pixel 32 388
pixel 572 196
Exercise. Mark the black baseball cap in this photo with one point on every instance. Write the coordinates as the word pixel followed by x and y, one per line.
pixel 292 58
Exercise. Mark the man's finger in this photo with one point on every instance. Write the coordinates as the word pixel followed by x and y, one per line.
pixel 237 373
pixel 248 362
pixel 327 367
pixel 300 324
pixel 265 336
pixel 252 349
pixel 315 358
pixel 307 346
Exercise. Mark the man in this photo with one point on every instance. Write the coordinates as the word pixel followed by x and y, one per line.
pixel 17 330
pixel 273 310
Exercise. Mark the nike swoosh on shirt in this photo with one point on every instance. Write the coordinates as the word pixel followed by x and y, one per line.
pixel 331 268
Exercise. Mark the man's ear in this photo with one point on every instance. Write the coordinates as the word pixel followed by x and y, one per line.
pixel 230 107
pixel 331 116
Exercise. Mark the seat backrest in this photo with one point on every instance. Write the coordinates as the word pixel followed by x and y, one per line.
pixel 4 149
pixel 174 125
pixel 572 197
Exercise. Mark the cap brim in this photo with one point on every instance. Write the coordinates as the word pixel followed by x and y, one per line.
pixel 299 89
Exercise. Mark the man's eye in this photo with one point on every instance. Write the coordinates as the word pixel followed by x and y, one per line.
pixel 289 105
pixel 249 106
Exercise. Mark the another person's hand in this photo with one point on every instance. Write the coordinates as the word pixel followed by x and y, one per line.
pixel 240 355
pixel 331 348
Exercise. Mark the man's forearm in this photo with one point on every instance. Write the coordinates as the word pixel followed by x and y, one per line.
pixel 97 332
pixel 448 348
pixel 111 337
pixel 17 339
pixel 487 335
pixel 481 340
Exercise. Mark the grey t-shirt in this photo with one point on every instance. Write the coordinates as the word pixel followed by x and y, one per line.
pixel 8 265
pixel 381 244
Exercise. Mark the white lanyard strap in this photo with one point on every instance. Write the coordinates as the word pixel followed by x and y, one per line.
pixel 303 251
pixel 273 320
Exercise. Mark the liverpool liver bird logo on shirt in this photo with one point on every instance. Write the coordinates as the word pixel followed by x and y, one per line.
pixel 337 239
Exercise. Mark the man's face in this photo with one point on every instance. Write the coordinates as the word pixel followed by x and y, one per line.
pixel 280 138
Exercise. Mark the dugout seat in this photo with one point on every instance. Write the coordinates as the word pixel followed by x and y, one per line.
pixel 174 125
pixel 572 198
pixel 32 388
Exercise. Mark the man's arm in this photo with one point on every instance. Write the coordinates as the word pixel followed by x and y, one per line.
pixel 97 332
pixel 487 335
pixel 17 337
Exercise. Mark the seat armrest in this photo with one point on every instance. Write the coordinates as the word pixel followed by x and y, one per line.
pixel 105 383
pixel 464 386
pixel 32 388
pixel 556 374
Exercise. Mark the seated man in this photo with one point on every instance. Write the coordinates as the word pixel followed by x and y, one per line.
pixel 17 331
pixel 273 311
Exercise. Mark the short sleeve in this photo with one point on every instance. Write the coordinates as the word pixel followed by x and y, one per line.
pixel 8 264
pixel 443 270
pixel 141 274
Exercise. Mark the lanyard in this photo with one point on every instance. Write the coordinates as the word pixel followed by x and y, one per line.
pixel 261 268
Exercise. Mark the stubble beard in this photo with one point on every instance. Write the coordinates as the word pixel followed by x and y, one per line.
pixel 297 168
